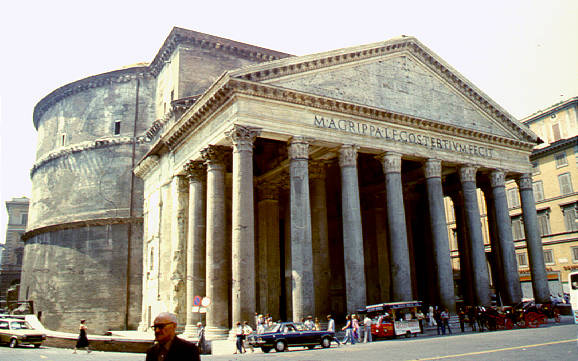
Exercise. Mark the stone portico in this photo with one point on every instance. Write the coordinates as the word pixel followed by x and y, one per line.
pixel 315 184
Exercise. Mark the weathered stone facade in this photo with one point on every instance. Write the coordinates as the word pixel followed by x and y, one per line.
pixel 83 253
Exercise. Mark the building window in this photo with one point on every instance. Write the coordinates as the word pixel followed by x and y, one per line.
pixel 513 198
pixel 570 217
pixel 548 256
pixel 565 183
pixel 538 188
pixel 24 219
pixel 522 260
pixel 517 228
pixel 544 222
pixel 561 160
pixel 117 127
pixel 575 254
pixel 535 167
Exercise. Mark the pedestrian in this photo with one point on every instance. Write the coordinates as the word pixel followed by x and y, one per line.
pixel 420 317
pixel 472 317
pixel 82 341
pixel 355 322
pixel 247 330
pixel 462 317
pixel 438 321
pixel 367 329
pixel 309 324
pixel 480 313
pixel 200 337
pixel 430 316
pixel 239 338
pixel 331 328
pixel 348 328
pixel 168 346
pixel 445 316
pixel 317 324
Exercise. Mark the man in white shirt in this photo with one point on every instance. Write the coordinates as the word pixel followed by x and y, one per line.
pixel 331 328
pixel 367 330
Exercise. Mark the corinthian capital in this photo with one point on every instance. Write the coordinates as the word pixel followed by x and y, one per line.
pixel 215 153
pixel 243 137
pixel 497 178
pixel 468 173
pixel 391 162
pixel 299 148
pixel 524 181
pixel 348 155
pixel 196 170
pixel 433 168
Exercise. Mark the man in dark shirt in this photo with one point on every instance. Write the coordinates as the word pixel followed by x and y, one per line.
pixel 168 346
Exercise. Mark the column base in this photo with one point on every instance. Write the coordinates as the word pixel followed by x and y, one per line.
pixel 190 331
pixel 216 333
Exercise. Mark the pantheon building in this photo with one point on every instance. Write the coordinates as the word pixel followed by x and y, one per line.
pixel 271 183
pixel 315 184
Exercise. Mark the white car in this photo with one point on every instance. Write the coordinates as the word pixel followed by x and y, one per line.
pixel 19 332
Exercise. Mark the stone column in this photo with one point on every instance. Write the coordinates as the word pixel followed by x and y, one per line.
pixel 303 293
pixel 497 271
pixel 512 291
pixel 397 231
pixel 243 224
pixel 218 260
pixel 466 275
pixel 320 238
pixel 196 247
pixel 179 195
pixel 474 230
pixel 355 287
pixel 533 240
pixel 382 247
pixel 269 274
pixel 443 266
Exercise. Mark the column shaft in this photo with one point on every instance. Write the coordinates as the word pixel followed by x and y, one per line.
pixel 355 286
pixel 397 231
pixel 444 272
pixel 512 291
pixel 179 195
pixel 303 293
pixel 218 259
pixel 196 246
pixel 474 229
pixel 243 225
pixel 533 241
pixel 320 239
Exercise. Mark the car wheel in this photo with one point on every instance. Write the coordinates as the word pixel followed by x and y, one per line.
pixel 326 342
pixel 280 346
pixel 266 349
pixel 13 343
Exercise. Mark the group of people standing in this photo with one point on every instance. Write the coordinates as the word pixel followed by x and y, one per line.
pixel 353 331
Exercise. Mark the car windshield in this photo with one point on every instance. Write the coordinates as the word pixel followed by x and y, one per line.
pixel 19 325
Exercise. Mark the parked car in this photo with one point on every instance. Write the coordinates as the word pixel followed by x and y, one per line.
pixel 19 332
pixel 283 335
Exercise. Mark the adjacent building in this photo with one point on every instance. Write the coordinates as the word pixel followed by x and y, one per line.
pixel 11 259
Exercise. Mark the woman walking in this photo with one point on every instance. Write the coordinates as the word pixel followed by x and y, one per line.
pixel 82 341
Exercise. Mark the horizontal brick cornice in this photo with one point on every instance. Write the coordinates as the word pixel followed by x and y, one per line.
pixel 80 224
pixel 81 147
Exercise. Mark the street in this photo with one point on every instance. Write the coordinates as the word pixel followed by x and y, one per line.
pixel 551 342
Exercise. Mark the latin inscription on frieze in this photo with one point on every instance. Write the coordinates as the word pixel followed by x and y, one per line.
pixel 402 136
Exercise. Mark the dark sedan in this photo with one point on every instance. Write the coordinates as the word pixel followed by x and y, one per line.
pixel 282 335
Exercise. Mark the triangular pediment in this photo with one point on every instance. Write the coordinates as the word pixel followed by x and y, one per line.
pixel 401 76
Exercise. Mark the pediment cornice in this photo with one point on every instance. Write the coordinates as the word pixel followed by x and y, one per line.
pixel 226 88
pixel 302 64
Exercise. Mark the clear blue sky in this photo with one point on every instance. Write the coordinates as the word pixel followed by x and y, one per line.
pixel 523 54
